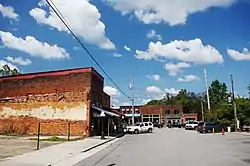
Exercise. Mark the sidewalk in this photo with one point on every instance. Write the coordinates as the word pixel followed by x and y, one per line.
pixel 57 154
pixel 240 133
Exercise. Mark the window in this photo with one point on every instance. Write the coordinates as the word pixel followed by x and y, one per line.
pixel 136 109
pixel 176 111
pixel 167 112
pixel 201 124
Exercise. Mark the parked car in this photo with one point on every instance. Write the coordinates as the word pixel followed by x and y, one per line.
pixel 142 127
pixel 207 127
pixel 246 128
pixel 191 125
pixel 159 125
pixel 177 125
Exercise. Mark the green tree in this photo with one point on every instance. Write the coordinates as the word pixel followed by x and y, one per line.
pixel 243 110
pixel 6 71
pixel 14 72
pixel 218 94
pixel 155 102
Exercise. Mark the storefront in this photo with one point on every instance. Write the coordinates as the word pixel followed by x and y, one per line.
pixel 128 118
pixel 155 118
pixel 111 121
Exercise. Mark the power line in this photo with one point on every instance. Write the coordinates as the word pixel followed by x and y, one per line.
pixel 60 16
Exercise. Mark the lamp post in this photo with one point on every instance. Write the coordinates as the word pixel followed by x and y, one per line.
pixel 102 116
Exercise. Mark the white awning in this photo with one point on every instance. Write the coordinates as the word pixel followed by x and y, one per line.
pixel 105 111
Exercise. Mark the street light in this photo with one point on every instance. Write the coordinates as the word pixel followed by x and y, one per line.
pixel 102 116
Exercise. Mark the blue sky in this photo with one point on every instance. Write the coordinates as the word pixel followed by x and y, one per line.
pixel 164 50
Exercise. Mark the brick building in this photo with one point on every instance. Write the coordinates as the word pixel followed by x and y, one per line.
pixel 158 113
pixel 53 98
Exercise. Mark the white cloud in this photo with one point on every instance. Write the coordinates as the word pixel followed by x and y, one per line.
pixel 8 12
pixel 127 48
pixel 3 62
pixel 192 51
pixel 172 91
pixel 18 60
pixel 113 92
pixel 81 15
pixel 117 55
pixel 154 90
pixel 33 47
pixel 125 104
pixel 153 35
pixel 174 69
pixel 189 78
pixel 173 12
pixel 155 77
pixel 157 93
pixel 239 56
pixel 145 101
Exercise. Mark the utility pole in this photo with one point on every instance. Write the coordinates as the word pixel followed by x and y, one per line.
pixel 132 100
pixel 208 100
pixel 234 103
pixel 202 111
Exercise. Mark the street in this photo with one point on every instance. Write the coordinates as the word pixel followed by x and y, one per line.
pixel 174 147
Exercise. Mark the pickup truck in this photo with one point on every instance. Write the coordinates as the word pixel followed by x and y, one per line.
pixel 142 127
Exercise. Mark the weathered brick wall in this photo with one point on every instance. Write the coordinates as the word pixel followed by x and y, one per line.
pixel 29 125
pixel 106 100
pixel 59 98
pixel 45 85
pixel 190 115
pixel 97 90
pixel 151 109
pixel 172 108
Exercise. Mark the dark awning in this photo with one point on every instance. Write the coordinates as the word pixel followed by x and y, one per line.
pixel 105 111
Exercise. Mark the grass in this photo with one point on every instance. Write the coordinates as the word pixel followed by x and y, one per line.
pixel 57 139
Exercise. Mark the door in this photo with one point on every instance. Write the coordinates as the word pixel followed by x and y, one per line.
pixel 142 125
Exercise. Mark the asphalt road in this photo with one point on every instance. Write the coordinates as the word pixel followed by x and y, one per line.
pixel 174 147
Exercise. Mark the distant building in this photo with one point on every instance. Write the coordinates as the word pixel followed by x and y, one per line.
pixel 157 113
pixel 53 98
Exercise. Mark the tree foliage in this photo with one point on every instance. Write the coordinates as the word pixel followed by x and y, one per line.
pixel 6 71
pixel 221 107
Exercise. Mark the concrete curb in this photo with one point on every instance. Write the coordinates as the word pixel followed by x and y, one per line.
pixel 240 133
pixel 100 144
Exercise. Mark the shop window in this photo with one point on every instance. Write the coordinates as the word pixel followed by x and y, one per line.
pixel 145 119
pixel 167 112
pixel 176 111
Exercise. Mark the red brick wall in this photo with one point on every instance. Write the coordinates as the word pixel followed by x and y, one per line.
pixel 130 109
pixel 106 100
pixel 43 85
pixel 190 115
pixel 152 109
pixel 172 108
pixel 66 88
pixel 29 125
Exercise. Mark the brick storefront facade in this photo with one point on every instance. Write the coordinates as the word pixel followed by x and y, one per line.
pixel 159 113
pixel 53 98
